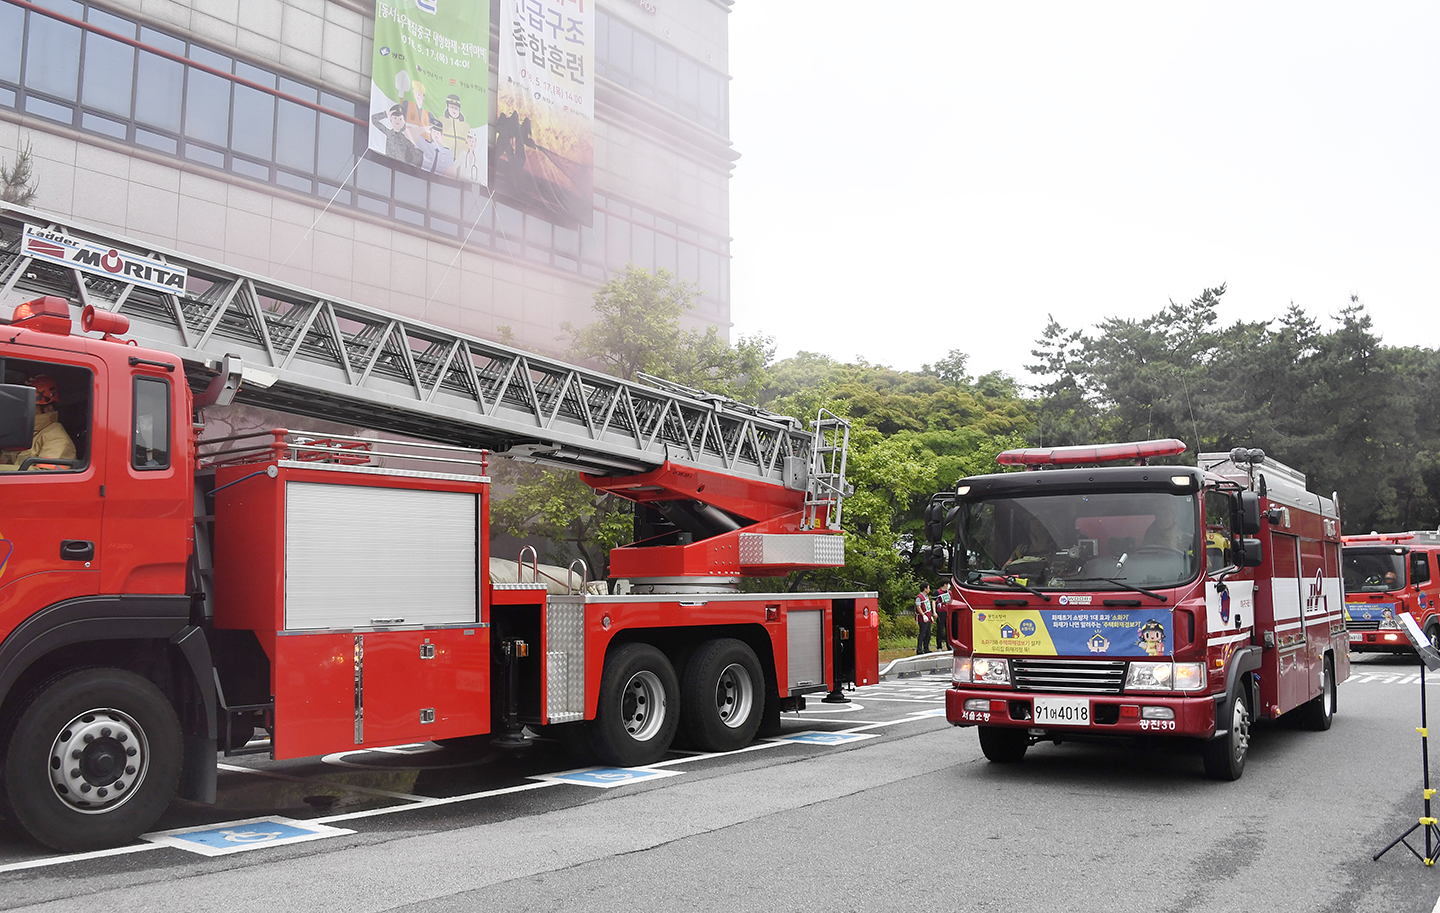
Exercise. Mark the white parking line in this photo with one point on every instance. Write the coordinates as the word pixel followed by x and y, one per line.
pixel 79 857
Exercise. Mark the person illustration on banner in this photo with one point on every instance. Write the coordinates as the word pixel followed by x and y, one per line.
pixel 523 138
pixel 417 119
pixel 434 156
pixel 397 143
pixel 456 128
pixel 470 167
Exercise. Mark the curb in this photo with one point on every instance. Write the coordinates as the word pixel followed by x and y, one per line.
pixel 914 665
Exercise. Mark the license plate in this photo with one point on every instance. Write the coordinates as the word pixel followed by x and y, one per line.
pixel 1062 711
pixel 1356 637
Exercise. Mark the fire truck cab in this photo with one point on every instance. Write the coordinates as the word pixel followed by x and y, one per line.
pixel 1094 601
pixel 1386 574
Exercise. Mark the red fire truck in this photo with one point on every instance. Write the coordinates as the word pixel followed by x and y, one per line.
pixel 164 594
pixel 1101 601
pixel 1386 574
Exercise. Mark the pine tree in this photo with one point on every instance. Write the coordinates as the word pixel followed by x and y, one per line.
pixel 17 181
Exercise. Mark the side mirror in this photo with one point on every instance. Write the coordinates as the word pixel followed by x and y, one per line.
pixel 938 559
pixel 1252 553
pixel 17 416
pixel 934 521
pixel 1249 514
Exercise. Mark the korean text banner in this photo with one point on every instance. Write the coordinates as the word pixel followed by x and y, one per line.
pixel 545 107
pixel 430 89
pixel 1061 632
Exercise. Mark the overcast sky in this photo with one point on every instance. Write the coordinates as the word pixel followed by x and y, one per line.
pixel 934 174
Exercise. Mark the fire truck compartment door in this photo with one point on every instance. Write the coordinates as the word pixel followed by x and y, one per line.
pixel 360 556
pixel 805 649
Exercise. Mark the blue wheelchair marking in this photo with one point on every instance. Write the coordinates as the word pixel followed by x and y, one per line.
pixel 607 777
pixel 826 738
pixel 251 834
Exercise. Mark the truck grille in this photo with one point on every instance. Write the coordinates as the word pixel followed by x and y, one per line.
pixel 1082 676
pixel 1372 624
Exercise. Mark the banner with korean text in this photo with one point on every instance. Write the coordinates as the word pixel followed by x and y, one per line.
pixel 545 109
pixel 430 88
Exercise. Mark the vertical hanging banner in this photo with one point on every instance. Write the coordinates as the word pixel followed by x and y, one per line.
pixel 430 86
pixel 545 109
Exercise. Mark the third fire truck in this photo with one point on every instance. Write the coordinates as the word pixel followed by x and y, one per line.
pixel 164 592
pixel 1095 600
pixel 1386 574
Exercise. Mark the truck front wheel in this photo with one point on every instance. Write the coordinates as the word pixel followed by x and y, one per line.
pixel 1002 744
pixel 638 708
pixel 723 695
pixel 1225 756
pixel 1319 713
pixel 94 760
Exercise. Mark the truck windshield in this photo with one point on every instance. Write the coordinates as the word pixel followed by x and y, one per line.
pixel 1373 571
pixel 1090 541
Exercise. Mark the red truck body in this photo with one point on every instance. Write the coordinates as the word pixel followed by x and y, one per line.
pixel 1110 634
pixel 1386 574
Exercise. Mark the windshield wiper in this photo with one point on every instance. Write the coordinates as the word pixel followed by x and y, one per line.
pixel 1121 584
pixel 1010 580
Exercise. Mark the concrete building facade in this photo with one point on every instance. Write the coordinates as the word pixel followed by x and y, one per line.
pixel 234 131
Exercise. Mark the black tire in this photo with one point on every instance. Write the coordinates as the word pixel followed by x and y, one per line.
pixel 112 789
pixel 1002 744
pixel 722 698
pixel 1319 713
pixel 1225 756
pixel 638 709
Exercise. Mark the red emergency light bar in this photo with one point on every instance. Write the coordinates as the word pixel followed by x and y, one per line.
pixel 1134 451
pixel 1378 537
pixel 50 314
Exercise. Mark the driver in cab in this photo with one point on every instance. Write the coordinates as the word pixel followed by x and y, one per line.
pixel 1166 532
pixel 51 441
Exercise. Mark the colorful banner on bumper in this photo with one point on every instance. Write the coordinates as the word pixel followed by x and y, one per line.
pixel 1381 613
pixel 430 88
pixel 1065 632
pixel 545 107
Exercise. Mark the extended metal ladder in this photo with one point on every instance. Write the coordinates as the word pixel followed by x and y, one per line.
pixel 827 491
pixel 313 355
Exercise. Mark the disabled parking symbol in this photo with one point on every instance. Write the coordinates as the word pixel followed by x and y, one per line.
pixel 826 738
pixel 238 836
pixel 606 777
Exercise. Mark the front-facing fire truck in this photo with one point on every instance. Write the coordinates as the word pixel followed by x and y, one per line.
pixel 164 594
pixel 1386 574
pixel 1103 601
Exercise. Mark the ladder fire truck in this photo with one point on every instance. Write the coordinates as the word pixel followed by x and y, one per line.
pixel 162 595
pixel 1102 601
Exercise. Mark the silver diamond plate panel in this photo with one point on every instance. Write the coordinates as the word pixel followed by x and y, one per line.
pixel 565 661
pixel 805 548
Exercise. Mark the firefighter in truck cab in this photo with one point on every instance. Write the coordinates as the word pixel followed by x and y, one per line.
pixel 52 441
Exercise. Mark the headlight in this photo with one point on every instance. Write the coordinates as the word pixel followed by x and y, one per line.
pixel 1165 677
pixel 960 671
pixel 991 671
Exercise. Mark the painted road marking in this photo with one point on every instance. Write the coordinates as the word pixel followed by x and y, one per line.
pixel 825 738
pixel 607 777
pixel 240 836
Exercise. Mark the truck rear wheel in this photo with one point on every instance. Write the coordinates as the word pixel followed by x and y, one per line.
pixel 723 696
pixel 1225 757
pixel 94 760
pixel 1002 744
pixel 1319 713
pixel 638 708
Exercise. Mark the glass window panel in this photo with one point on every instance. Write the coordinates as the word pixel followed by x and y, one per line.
pixel 538 232
pixel 155 141
pixel 249 168
pixel 294 181
pixel 254 132
pixel 207 107
pixel 110 23
pixel 617 242
pixel 162 41
pixel 409 216
pixel 620 38
pixel 160 84
pixel 511 222
pixel 709 92
pixel 567 241
pixel 724 294
pixel 665 253
pixel 209 58
pixel 337 148
pixel 449 228
pixel 410 189
pixel 537 254
pixel 643 67
pixel 12 35
pixel 295 137
pixel 370 204
pixel 479 211
pixel 664 225
pixel 37 105
pixel 688 268
pixel 150 440
pixel 445 199
pixel 336 103
pixel 709 271
pixel 666 79
pixel 689 72
pixel 592 241
pixel 298 89
pixel 255 74
pixel 373 177
pixel 566 264
pixel 204 154
pixel 109 75
pixel 602 37
pixel 52 49
pixel 642 246
pixel 330 191
pixel 102 125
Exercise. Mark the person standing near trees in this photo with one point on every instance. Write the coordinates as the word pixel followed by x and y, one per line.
pixel 924 614
pixel 942 618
